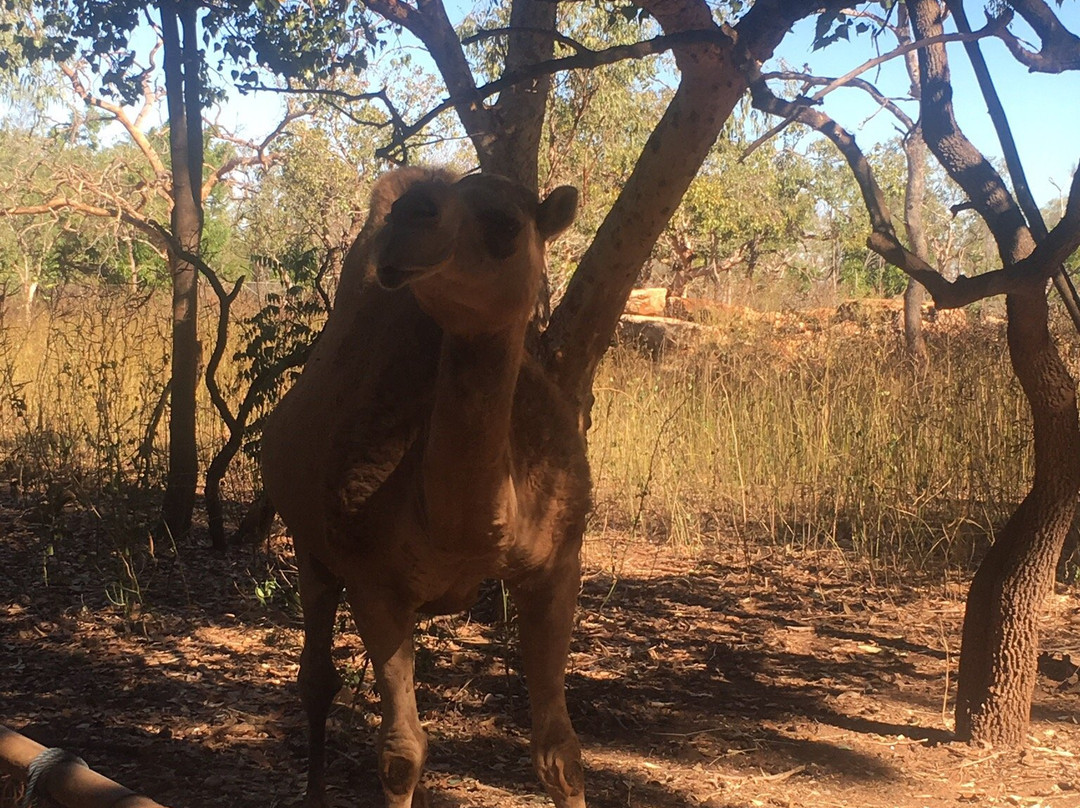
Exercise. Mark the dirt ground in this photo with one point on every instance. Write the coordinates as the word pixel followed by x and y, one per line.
pixel 717 678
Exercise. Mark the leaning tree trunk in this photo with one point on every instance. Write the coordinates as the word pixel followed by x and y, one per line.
pixel 999 655
pixel 185 144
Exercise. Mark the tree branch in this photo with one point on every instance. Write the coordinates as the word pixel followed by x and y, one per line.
pixel 150 97
pixel 1012 158
pixel 1037 267
pixel 967 166
pixel 859 84
pixel 145 224
pixel 555 36
pixel 1060 49
pixel 584 59
pixel 989 30
pixel 429 23
pixel 258 157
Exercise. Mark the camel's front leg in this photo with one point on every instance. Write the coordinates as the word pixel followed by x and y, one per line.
pixel 387 631
pixel 546 605
pixel 320 592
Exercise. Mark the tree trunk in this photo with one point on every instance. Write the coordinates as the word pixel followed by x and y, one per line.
pixel 519 113
pixel 710 85
pixel 583 324
pixel 999 654
pixel 185 145
pixel 914 197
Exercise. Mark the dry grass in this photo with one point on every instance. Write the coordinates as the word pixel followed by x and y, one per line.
pixel 807 433
pixel 815 436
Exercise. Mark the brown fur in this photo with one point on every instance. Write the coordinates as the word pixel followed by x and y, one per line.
pixel 423 451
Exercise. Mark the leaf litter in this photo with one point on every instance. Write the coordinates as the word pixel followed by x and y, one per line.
pixel 722 678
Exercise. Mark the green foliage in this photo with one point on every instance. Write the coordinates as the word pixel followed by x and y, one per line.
pixel 284 329
pixel 310 200
pixel 756 207
pixel 306 42
pixel 272 592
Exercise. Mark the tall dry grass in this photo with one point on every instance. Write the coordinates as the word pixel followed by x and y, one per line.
pixel 83 390
pixel 816 436
pixel 827 437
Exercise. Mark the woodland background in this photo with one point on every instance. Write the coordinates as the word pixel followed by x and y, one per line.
pixel 799 448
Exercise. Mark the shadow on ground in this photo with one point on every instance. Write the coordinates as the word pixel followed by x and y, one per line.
pixel 187 696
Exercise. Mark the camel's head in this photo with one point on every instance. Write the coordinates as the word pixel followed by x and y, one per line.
pixel 472 250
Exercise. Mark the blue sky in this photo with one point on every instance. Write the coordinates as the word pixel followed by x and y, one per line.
pixel 1043 110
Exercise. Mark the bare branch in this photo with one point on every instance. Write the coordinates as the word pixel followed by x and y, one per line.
pixel 151 94
pixel 150 97
pixel 325 92
pixel 143 223
pixel 859 84
pixel 989 30
pixel 1037 267
pixel 259 152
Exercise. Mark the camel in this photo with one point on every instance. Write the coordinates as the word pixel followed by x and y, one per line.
pixel 423 450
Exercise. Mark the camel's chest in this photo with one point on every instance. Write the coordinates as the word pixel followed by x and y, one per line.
pixel 396 541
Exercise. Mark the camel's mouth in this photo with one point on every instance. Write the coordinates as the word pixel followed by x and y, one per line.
pixel 397 266
pixel 391 277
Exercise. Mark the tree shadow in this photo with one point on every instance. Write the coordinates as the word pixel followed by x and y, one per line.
pixel 687 669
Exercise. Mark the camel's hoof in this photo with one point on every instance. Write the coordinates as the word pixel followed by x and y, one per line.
pixel 575 801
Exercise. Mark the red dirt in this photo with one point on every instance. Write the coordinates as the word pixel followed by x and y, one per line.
pixel 710 679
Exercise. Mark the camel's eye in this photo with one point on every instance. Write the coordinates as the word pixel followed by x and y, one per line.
pixel 499 231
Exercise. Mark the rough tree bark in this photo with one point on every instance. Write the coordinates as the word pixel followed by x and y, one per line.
pixel 999 653
pixel 712 80
pixel 185 125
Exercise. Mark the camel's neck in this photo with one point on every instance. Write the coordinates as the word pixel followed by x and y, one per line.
pixel 468 492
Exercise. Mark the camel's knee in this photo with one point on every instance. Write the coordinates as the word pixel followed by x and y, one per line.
pixel 401 760
pixel 558 764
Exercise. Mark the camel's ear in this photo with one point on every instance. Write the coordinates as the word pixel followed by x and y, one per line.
pixel 557 212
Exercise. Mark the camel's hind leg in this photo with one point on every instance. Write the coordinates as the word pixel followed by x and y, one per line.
pixel 320 593
pixel 546 605
pixel 387 631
